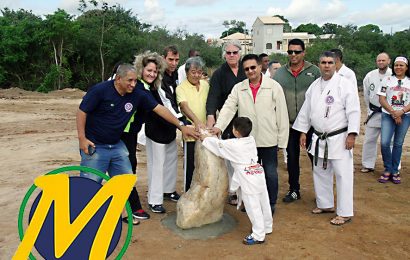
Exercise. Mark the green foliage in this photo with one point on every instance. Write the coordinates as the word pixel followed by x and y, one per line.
pixel 233 26
pixel 309 28
pixel 51 79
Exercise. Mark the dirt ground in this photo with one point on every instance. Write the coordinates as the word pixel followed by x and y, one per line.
pixel 38 134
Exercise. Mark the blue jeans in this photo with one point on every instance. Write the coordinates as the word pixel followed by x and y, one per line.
pixel 268 158
pixel 111 158
pixel 392 157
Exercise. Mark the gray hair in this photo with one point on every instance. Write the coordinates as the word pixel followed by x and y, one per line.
pixel 235 43
pixel 194 62
pixel 123 69
pixel 329 54
pixel 143 59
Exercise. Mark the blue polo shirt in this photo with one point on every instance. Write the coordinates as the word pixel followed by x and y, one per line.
pixel 108 112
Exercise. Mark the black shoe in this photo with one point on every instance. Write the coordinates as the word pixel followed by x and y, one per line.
pixel 172 196
pixel 156 208
pixel 291 196
pixel 141 214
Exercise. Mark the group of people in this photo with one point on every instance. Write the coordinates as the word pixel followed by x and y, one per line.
pixel 255 107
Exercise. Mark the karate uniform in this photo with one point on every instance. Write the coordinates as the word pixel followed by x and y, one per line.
pixel 371 85
pixel 329 106
pixel 248 180
pixel 348 74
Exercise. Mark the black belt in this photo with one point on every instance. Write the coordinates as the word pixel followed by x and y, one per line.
pixel 374 109
pixel 324 136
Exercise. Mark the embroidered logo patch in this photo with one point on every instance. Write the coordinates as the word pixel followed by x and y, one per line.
pixel 330 100
pixel 128 107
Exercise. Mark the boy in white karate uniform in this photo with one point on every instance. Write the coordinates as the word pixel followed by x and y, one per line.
pixel 248 179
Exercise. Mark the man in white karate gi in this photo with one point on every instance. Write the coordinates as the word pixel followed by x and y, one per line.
pixel 371 85
pixel 332 108
pixel 342 69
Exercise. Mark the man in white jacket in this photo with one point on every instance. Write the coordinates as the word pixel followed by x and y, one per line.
pixel 262 100
pixel 332 108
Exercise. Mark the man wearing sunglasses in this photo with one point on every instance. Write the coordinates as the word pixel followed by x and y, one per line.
pixel 261 99
pixel 295 78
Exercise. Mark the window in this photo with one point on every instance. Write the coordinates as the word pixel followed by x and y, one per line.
pixel 279 45
pixel 269 46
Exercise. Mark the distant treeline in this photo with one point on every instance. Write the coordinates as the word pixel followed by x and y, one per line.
pixel 61 50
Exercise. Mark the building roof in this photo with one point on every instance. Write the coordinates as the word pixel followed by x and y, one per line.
pixel 237 36
pixel 270 20
pixel 300 35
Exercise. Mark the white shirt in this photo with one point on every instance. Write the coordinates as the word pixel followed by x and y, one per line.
pixel 181 73
pixel 330 106
pixel 242 153
pixel 349 74
pixel 397 95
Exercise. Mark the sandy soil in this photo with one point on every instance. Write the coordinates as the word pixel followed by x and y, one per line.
pixel 38 135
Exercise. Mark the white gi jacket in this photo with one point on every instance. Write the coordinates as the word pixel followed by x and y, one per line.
pixel 333 108
pixel 371 86
pixel 349 74
pixel 241 152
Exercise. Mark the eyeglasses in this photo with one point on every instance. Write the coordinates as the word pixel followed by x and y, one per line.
pixel 327 62
pixel 232 52
pixel 250 68
pixel 399 82
pixel 290 52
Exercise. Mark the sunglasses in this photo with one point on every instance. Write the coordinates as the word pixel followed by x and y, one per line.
pixel 250 68
pixel 232 52
pixel 326 62
pixel 290 52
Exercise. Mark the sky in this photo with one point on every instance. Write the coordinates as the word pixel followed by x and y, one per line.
pixel 206 16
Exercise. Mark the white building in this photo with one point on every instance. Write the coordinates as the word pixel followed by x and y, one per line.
pixel 244 39
pixel 267 35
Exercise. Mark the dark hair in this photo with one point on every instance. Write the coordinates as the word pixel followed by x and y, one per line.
pixel 243 125
pixel 338 53
pixel 327 54
pixel 407 73
pixel 262 55
pixel 192 52
pixel 273 62
pixel 251 57
pixel 297 41
pixel 172 48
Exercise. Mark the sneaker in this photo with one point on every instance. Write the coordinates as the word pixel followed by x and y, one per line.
pixel 141 214
pixel 291 196
pixel 249 240
pixel 156 208
pixel 172 196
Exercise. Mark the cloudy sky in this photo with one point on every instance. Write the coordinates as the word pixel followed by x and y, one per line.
pixel 206 16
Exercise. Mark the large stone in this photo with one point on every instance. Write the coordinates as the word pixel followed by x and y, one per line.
pixel 205 200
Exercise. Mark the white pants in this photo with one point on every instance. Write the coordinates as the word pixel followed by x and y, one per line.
pixel 259 213
pixel 162 162
pixel 369 151
pixel 323 182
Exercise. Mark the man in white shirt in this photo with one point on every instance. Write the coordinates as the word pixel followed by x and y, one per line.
pixel 371 85
pixel 342 69
pixel 332 108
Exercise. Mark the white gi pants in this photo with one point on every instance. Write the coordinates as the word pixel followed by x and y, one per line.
pixel 230 171
pixel 259 213
pixel 162 162
pixel 369 151
pixel 323 183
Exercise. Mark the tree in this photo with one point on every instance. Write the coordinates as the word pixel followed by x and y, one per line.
pixel 286 26
pixel 59 31
pixel 330 28
pixel 234 26
pixel 309 28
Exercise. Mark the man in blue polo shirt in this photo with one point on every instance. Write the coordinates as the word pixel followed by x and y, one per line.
pixel 103 115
